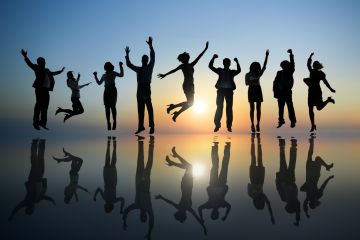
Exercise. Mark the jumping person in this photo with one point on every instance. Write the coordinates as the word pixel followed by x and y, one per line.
pixel 252 79
pixel 188 84
pixel 77 107
pixel 110 92
pixel 143 94
pixel 314 92
pixel 225 86
pixel 44 82
pixel 282 88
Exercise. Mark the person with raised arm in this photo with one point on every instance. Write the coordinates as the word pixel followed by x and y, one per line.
pixel 188 85
pixel 143 94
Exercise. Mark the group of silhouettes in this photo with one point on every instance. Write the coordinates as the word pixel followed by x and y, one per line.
pixel 225 85
pixel 36 185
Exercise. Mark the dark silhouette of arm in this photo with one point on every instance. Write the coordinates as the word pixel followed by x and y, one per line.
pixel 265 63
pixel 16 209
pixel 166 200
pixel 238 68
pixel 121 74
pixel 292 62
pixel 309 61
pixel 47 198
pixel 170 72
pixel 152 52
pixel 98 190
pixel 84 85
pixel 82 188
pixel 58 72
pixel 151 223
pixel 128 62
pixel 328 85
pixel 200 55
pixel 228 208
pixel 199 220
pixel 126 212
pixel 211 63
pixel 27 60
pixel 99 82
pixel 323 186
pixel 270 209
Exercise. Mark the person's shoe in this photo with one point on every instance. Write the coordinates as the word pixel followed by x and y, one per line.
pixel 329 167
pixel 58 110
pixel 43 126
pixel 114 125
pixel 313 128
pixel 152 130
pixel 67 116
pixel 216 128
pixel 258 127
pixel 280 123
pixel 170 107
pixel 229 129
pixel 330 99
pixel 140 130
pixel 293 124
pixel 36 126
pixel 175 115
pixel 109 126
pixel 252 128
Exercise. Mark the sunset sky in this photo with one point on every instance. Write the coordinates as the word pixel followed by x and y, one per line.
pixel 83 35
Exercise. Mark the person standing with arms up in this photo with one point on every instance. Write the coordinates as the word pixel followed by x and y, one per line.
pixel 143 94
pixel 252 79
pixel 188 85
pixel 225 86
pixel 44 82
pixel 315 93
pixel 282 86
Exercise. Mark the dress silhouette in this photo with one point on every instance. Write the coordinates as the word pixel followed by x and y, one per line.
pixel 143 94
pixel 110 92
pixel 142 185
pixel 43 84
pixel 77 107
pixel 285 180
pixel 252 79
pixel 188 84
pixel 110 180
pixel 36 185
pixel 218 187
pixel 257 176
pixel 73 186
pixel 282 88
pixel 310 187
pixel 314 93
pixel 187 182
pixel 225 86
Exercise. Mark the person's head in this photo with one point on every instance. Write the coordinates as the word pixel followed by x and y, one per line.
pixel 41 61
pixel 143 215
pixel 144 59
pixel 317 65
pixel 108 207
pixel 30 209
pixel 180 216
pixel 259 202
pixel 70 75
pixel 108 67
pixel 314 203
pixel 255 67
pixel 184 57
pixel 215 214
pixel 285 65
pixel 226 63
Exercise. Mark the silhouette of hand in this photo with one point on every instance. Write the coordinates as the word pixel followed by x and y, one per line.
pixel 161 76
pixel 149 41
pixel 63 69
pixel 78 75
pixel 267 52
pixel 207 45
pixel 127 50
pixel 236 60
pixel 331 177
pixel 121 63
pixel 333 90
pixel 312 54
pixel 95 74
pixel 215 56
pixel 158 196
pixel 289 51
pixel 24 53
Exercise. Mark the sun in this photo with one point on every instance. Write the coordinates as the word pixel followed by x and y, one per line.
pixel 199 106
pixel 198 170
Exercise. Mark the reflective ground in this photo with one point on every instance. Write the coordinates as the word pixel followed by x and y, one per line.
pixel 180 187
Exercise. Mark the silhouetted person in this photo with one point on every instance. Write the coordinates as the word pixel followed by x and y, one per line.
pixel 143 94
pixel 110 92
pixel 285 180
pixel 257 176
pixel 77 107
pixel 313 169
pixel 71 189
pixel 252 79
pixel 188 84
pixel 187 182
pixel 142 194
pixel 44 82
pixel 314 93
pixel 225 86
pixel 218 187
pixel 110 180
pixel 36 184
pixel 282 88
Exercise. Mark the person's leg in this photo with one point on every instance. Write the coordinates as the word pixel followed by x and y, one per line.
pixel 107 113
pixel 219 108
pixel 291 110
pixel 320 106
pixel 225 165
pixel 141 110
pixel 293 151
pixel 215 164
pixel 140 161
pixel 150 111
pixel 44 108
pixel 312 117
pixel 229 109
pixel 283 165
pixel 37 108
pixel 184 105
pixel 150 159
pixel 321 162
pixel 258 115
pixel 259 152
pixel 252 150
pixel 113 157
pixel 281 105
pixel 252 109
pixel 107 155
pixel 113 111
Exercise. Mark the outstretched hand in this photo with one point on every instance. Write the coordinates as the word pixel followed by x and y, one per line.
pixel 161 76
pixel 333 90
pixel 127 50
pixel 158 196
pixel 312 54
pixel 95 74
pixel 267 52
pixel 63 69
pixel 289 51
pixel 215 56
pixel 236 60
pixel 149 41
pixel 207 45
pixel 121 63
pixel 78 75
pixel 24 53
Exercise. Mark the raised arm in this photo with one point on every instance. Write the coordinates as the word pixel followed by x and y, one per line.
pixel 198 219
pixel 211 63
pixel 170 72
pixel 265 62
pixel 50 199
pixel 151 223
pixel 200 55
pixel 166 200
pixel 152 52
pixel 121 74
pixel 270 209
pixel 322 188
pixel 27 60
pixel 58 72
pixel 228 208
pixel 309 62
pixel 84 85
pixel 98 190
pixel 97 79
pixel 127 58
pixel 238 68
pixel 292 62
pixel 16 209
pixel 126 212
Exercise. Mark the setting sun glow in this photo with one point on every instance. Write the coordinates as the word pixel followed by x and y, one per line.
pixel 199 106
pixel 198 170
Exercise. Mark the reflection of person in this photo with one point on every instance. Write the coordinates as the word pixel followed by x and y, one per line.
pixel 110 181
pixel 285 180
pixel 44 82
pixel 185 203
pixel 257 176
pixel 315 93
pixel 73 186
pixel 143 94
pixel 225 86
pixel 36 184
pixel 142 195
pixel 110 91
pixel 188 85
pixel 282 86
pixel 252 79
pixel 313 169
pixel 218 187
pixel 77 107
